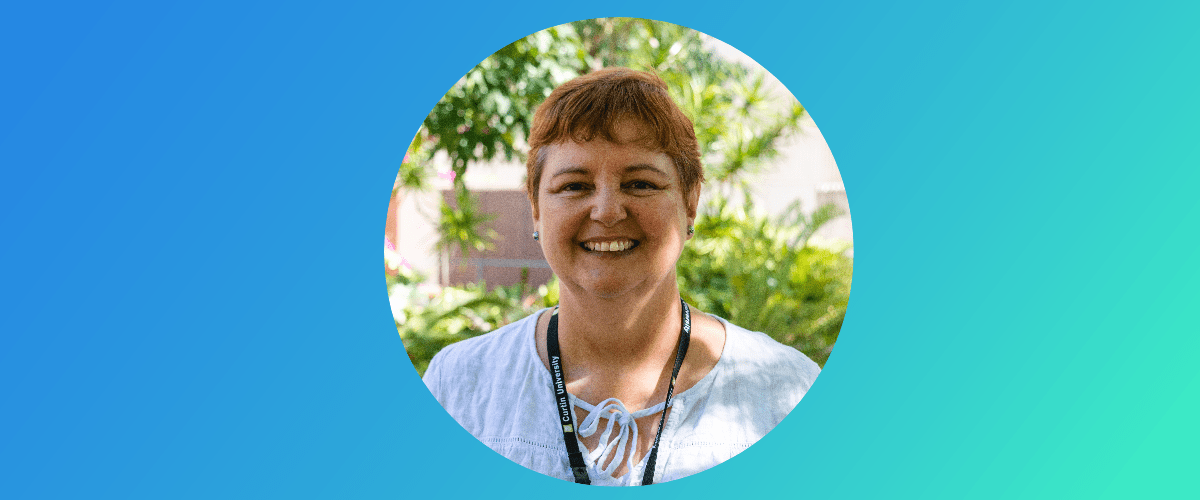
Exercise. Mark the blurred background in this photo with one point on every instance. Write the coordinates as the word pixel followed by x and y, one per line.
pixel 773 250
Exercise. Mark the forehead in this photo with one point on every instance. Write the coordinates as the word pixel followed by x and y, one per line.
pixel 632 143
pixel 629 131
pixel 599 156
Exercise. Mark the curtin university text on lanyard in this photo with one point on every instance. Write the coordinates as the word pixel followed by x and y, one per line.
pixel 578 467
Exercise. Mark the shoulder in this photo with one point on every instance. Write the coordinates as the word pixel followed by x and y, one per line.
pixel 759 348
pixel 755 385
pixel 464 369
pixel 760 364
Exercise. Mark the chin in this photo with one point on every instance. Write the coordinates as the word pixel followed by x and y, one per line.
pixel 609 291
pixel 611 287
pixel 607 287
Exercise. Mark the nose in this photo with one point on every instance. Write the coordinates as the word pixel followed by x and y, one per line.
pixel 609 208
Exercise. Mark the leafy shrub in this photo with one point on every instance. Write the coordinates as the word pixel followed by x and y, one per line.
pixel 762 275
pixel 430 317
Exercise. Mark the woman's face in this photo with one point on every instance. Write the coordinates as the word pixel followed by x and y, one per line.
pixel 612 216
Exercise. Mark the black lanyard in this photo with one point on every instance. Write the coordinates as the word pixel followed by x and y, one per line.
pixel 578 466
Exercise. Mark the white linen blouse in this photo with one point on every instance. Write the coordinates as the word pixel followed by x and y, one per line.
pixel 497 388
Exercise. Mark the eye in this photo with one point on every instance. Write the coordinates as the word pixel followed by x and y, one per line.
pixel 642 185
pixel 572 187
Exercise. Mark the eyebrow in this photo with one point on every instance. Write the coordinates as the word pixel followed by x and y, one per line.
pixel 637 167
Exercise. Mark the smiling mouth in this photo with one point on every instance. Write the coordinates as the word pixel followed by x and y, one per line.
pixel 610 246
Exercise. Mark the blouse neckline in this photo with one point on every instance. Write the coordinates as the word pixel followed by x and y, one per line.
pixel 706 380
pixel 681 404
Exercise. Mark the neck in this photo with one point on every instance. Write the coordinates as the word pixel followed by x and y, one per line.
pixel 620 333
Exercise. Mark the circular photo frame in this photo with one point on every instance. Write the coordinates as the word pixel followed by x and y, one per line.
pixel 618 252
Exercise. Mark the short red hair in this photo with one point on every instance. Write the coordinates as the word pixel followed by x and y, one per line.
pixel 590 106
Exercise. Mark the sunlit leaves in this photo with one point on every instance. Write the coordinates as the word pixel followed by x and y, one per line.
pixel 750 270
pixel 430 317
pixel 459 225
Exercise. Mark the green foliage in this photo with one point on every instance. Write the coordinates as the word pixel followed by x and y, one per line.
pixel 491 108
pixel 459 225
pixel 761 275
pixel 430 317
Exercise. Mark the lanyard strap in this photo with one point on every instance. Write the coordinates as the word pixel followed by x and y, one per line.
pixel 578 466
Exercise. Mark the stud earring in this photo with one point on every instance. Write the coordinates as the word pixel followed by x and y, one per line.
pixel 536 236
pixel 691 230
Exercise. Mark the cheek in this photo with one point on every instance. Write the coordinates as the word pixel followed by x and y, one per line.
pixel 559 218
pixel 664 219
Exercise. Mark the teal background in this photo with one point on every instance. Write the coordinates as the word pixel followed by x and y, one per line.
pixel 192 196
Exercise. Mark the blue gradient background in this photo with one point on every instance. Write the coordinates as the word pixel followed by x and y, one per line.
pixel 192 197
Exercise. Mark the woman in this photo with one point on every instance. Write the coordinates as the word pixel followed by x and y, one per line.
pixel 581 392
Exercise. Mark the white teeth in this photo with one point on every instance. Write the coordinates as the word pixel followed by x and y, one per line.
pixel 610 246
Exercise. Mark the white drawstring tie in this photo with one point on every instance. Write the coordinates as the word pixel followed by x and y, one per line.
pixel 613 450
